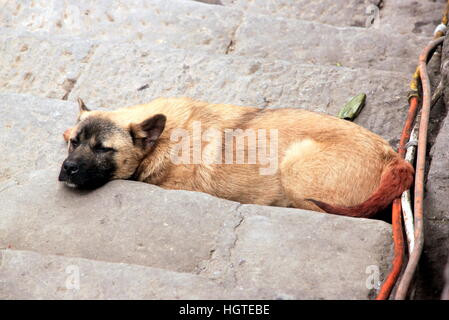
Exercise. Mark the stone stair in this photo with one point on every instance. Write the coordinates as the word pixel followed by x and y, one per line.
pixel 58 277
pixel 224 30
pixel 395 16
pixel 309 54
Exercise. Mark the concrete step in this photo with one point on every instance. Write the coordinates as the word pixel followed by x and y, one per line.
pixel 112 75
pixel 392 16
pixel 276 252
pixel 218 29
pixel 30 275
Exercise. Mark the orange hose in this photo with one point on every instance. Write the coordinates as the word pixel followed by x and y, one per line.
pixel 420 172
pixel 398 235
pixel 398 238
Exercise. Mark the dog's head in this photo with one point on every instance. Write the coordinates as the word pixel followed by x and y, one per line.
pixel 102 149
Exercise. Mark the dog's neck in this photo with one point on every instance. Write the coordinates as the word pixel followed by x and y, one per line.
pixel 153 166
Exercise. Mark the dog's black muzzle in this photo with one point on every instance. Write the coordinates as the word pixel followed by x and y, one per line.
pixel 81 175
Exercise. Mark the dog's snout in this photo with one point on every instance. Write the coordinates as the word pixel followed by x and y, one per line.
pixel 70 168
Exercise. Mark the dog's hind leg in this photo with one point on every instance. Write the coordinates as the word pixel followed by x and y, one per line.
pixel 310 170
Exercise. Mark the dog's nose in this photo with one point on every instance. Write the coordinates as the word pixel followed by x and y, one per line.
pixel 70 168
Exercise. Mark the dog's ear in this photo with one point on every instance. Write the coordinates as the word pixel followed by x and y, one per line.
pixel 66 134
pixel 82 108
pixel 147 132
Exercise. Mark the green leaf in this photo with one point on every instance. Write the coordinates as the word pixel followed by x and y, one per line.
pixel 352 109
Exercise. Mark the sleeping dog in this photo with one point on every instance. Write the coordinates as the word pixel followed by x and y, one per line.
pixel 282 157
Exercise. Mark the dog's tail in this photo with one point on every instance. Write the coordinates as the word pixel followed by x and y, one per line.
pixel 396 178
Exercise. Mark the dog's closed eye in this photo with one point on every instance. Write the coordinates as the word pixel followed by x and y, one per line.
pixel 74 143
pixel 102 149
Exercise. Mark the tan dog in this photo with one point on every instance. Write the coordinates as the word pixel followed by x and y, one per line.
pixel 283 157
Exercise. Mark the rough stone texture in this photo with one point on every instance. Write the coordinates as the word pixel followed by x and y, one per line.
pixel 278 230
pixel 31 134
pixel 311 42
pixel 445 294
pixel 149 71
pixel 39 65
pixel 186 24
pixel 219 29
pixel 418 17
pixel 438 176
pixel 395 16
pixel 240 247
pixel 436 220
pixel 334 12
pixel 29 275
